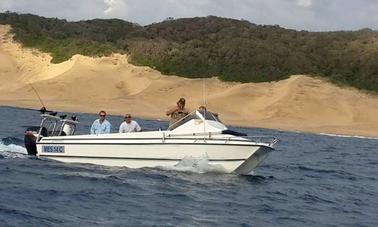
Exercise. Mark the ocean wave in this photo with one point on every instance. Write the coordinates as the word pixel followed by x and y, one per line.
pixel 12 140
pixel 195 165
pixel 348 136
pixel 12 151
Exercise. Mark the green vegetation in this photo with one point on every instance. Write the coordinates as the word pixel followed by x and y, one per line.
pixel 233 50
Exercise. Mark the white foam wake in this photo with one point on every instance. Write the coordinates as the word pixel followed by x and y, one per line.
pixel 12 151
pixel 196 165
pixel 348 136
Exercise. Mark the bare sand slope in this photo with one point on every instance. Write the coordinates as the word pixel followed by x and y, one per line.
pixel 85 84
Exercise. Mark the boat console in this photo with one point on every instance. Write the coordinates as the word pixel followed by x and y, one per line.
pixel 51 125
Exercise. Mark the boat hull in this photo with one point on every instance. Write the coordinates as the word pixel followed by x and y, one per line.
pixel 239 158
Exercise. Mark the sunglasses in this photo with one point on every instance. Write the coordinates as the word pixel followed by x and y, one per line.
pixel 102 115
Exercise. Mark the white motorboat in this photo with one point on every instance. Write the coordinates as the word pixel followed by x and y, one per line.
pixel 199 135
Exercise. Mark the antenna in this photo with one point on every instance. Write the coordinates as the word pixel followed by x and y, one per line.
pixel 204 104
pixel 43 105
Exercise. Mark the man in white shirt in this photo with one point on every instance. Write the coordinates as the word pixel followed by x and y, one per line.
pixel 101 125
pixel 129 125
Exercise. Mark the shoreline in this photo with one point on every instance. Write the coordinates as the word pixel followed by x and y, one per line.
pixel 346 134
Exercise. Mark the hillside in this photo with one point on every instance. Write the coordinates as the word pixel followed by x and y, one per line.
pixel 210 46
pixel 88 84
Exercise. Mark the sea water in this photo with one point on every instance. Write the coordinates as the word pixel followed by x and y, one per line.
pixel 310 180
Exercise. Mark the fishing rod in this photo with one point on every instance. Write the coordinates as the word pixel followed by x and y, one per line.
pixel 39 97
pixel 43 109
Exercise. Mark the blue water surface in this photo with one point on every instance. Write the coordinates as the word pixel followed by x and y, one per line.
pixel 311 180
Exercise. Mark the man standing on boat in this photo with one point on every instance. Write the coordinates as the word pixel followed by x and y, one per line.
pixel 101 125
pixel 129 125
pixel 177 112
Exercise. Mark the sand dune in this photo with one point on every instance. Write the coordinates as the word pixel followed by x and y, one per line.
pixel 85 84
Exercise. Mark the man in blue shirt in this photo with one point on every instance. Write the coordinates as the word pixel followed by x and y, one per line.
pixel 101 125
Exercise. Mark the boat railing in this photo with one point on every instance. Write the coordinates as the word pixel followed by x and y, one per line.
pixel 271 140
pixel 56 125
pixel 264 140
pixel 50 123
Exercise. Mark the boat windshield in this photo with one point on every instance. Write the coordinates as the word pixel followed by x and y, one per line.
pixel 193 115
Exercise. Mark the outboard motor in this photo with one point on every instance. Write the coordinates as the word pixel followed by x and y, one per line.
pixel 30 138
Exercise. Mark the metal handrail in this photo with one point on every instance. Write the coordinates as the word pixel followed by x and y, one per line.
pixel 270 140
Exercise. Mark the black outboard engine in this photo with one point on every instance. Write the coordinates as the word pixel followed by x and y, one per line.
pixel 30 139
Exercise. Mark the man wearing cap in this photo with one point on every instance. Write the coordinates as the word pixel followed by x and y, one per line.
pixel 129 125
pixel 177 112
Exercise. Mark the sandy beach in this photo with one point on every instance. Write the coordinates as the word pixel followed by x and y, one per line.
pixel 85 84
